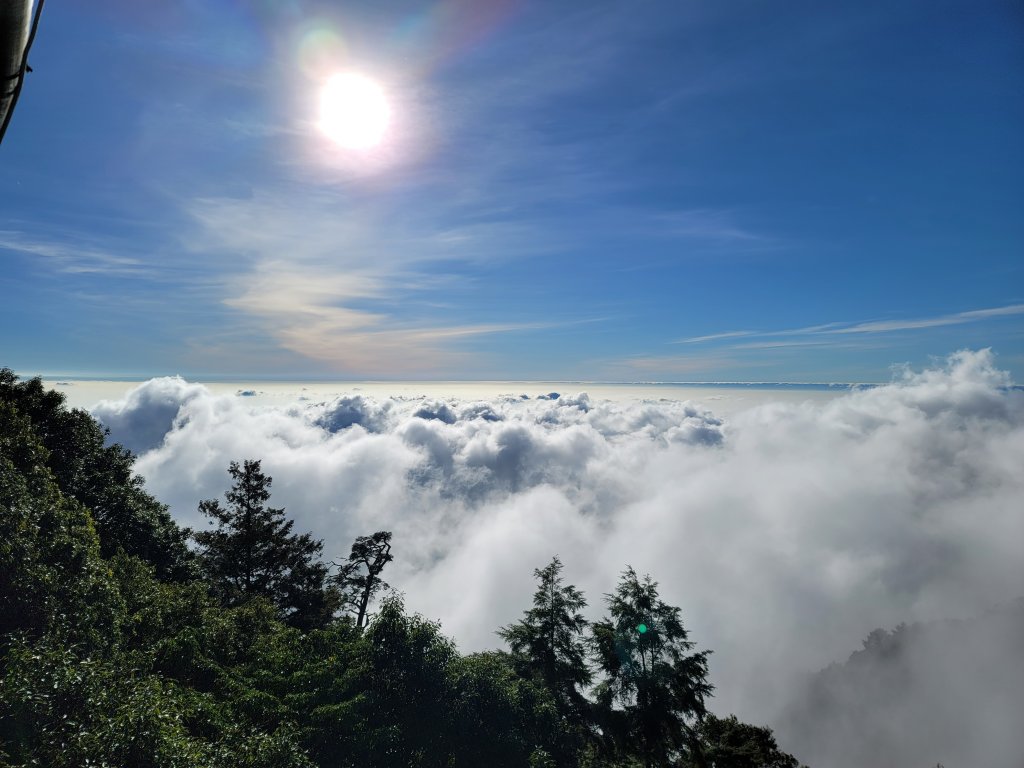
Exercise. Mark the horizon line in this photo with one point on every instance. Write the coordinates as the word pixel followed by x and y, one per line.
pixel 58 378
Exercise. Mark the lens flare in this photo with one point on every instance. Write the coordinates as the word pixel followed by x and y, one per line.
pixel 354 111
pixel 321 51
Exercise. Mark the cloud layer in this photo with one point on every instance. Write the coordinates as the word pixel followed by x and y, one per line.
pixel 786 533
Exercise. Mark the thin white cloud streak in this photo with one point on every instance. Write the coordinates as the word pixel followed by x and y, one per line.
pixel 884 326
pixel 716 337
pixel 712 225
pixel 785 534
pixel 781 343
pixel 868 327
pixel 73 259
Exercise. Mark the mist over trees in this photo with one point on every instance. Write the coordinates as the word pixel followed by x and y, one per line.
pixel 121 644
pixel 929 684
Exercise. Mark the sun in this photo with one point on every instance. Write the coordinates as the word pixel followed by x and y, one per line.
pixel 354 111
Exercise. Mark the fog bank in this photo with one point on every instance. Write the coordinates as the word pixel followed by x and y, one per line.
pixel 786 532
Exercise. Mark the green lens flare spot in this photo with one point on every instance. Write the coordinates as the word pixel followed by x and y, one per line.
pixel 641 628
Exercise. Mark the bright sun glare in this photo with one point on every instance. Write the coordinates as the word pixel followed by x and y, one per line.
pixel 354 111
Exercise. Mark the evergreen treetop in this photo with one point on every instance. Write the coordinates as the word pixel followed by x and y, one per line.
pixel 358 577
pixel 549 645
pixel 253 553
pixel 550 636
pixel 643 651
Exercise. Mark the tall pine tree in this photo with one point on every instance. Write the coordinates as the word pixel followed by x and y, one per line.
pixel 253 553
pixel 550 646
pixel 550 636
pixel 358 578
pixel 658 686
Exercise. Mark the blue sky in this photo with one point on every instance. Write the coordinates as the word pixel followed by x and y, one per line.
pixel 691 191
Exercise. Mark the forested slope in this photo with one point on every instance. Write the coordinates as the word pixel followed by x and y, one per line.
pixel 123 644
pixel 949 691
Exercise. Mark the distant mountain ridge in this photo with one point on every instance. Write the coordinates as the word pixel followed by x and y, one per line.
pixel 903 699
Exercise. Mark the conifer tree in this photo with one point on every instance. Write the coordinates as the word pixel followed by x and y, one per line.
pixel 550 637
pixel 643 649
pixel 358 577
pixel 551 647
pixel 253 553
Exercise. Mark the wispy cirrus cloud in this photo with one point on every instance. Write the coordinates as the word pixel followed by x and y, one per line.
pixel 315 313
pixel 864 327
pixel 359 288
pixel 73 259
pixel 780 343
pixel 716 337
pixel 711 225
pixel 958 318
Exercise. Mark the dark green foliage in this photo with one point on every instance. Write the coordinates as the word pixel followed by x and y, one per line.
pixel 399 693
pixel 90 672
pixel 408 666
pixel 725 742
pixel 64 710
pixel 502 718
pixel 100 478
pixel 253 553
pixel 321 679
pixel 653 688
pixel 358 577
pixel 51 576
pixel 549 644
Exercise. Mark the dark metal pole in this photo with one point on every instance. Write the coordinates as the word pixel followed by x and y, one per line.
pixel 15 16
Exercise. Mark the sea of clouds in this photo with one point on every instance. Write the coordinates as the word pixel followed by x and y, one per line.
pixel 785 533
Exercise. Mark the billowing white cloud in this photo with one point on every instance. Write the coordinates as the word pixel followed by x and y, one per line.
pixel 785 533
pixel 147 413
